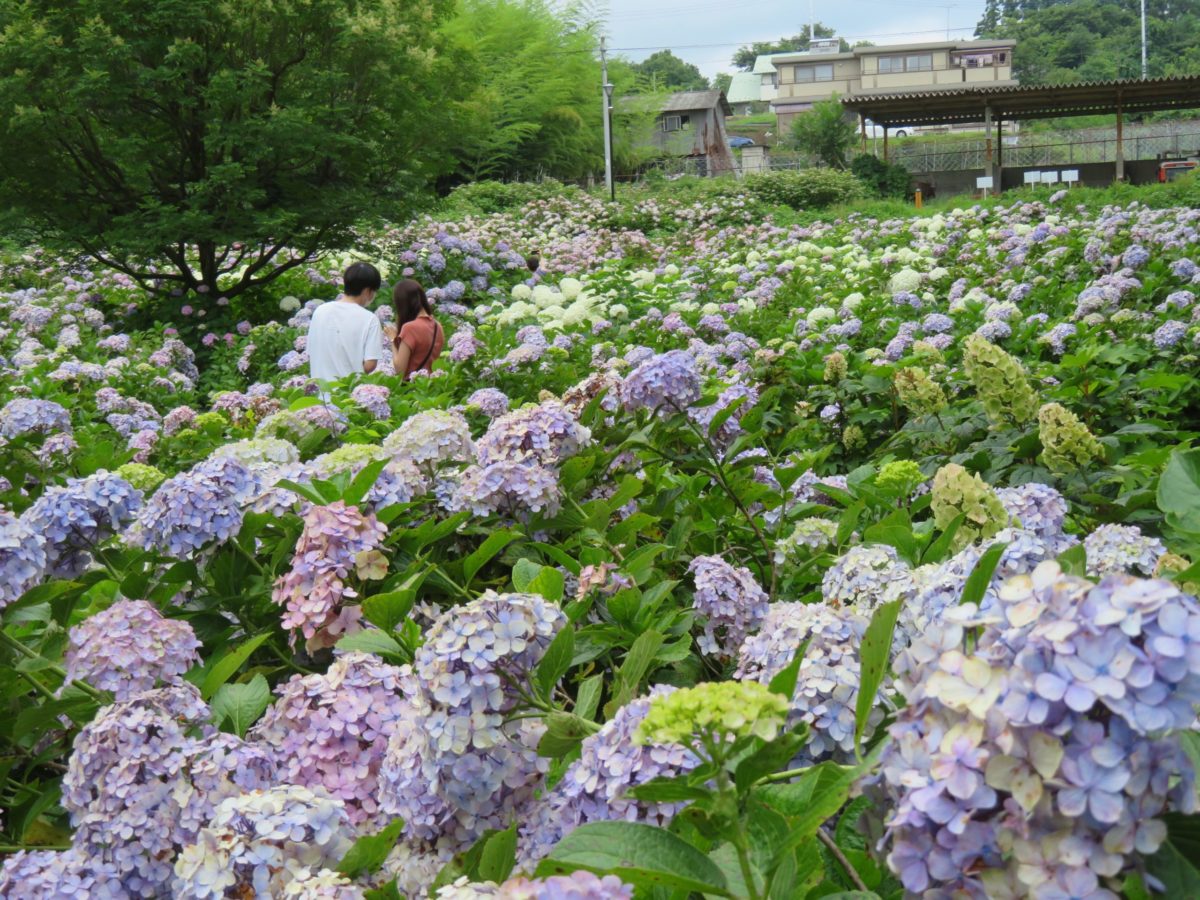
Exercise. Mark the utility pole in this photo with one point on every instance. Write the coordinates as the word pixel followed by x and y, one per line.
pixel 1145 67
pixel 608 89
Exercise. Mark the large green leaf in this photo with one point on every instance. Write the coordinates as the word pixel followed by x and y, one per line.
pixel 1179 490
pixel 641 855
pixel 635 667
pixel 1177 863
pixel 241 704
pixel 499 856
pixel 227 665
pixel 981 575
pixel 370 851
pixel 556 661
pixel 491 546
pixel 874 653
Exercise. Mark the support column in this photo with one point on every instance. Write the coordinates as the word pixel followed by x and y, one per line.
pixel 862 132
pixel 989 164
pixel 999 153
pixel 886 157
pixel 1120 140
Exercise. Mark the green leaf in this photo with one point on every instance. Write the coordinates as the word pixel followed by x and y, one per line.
pixel 372 641
pixel 642 855
pixel 637 663
pixel 1074 560
pixel 981 575
pixel 784 682
pixel 523 574
pixel 564 732
pixel 388 610
pixel 555 661
pixel 228 664
pixel 1179 490
pixel 587 700
pixel 1177 862
pixel 874 653
pixel 549 583
pixel 667 790
pixel 848 522
pixel 388 892
pixel 370 851
pixel 363 482
pixel 491 546
pixel 499 856
pixel 303 490
pixel 940 549
pixel 770 758
pixel 241 704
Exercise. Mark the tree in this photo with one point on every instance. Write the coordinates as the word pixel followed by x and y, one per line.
pixel 533 91
pixel 214 146
pixel 825 133
pixel 744 58
pixel 664 71
pixel 721 82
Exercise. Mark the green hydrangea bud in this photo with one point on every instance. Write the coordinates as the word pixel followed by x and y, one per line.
pixel 918 393
pixel 835 367
pixel 208 421
pixel 350 456
pixel 957 492
pixel 853 437
pixel 814 533
pixel 144 478
pixel 1000 381
pixel 1067 445
pixel 716 710
pixel 927 350
pixel 899 478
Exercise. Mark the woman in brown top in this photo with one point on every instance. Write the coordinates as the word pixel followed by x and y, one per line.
pixel 417 337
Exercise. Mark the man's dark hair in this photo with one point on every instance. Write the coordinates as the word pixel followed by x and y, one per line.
pixel 533 261
pixel 359 277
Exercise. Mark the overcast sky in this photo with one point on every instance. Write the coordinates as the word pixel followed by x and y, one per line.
pixel 684 28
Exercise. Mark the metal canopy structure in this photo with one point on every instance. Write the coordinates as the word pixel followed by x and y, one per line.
pixel 1042 101
pixel 1081 98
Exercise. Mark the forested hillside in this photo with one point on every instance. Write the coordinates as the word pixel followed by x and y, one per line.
pixel 1066 40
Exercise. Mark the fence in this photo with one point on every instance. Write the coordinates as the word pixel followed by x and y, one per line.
pixel 1093 145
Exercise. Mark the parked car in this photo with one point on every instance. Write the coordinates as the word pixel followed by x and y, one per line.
pixel 894 131
pixel 738 142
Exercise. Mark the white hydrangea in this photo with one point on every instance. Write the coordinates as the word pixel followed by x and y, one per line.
pixel 905 280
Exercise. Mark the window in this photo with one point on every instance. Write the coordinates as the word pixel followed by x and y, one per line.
pixel 672 123
pixel 918 62
pixel 807 74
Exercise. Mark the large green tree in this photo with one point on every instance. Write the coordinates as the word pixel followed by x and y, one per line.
pixel 825 133
pixel 533 98
pixel 664 71
pixel 214 145
pixel 1069 40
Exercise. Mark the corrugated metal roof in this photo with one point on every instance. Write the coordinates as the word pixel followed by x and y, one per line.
pixel 688 100
pixel 1026 101
pixel 745 87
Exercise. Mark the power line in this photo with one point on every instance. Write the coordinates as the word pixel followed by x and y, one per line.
pixel 846 37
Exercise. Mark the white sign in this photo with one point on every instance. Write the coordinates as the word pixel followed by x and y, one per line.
pixel 1070 176
pixel 984 182
pixel 1033 177
pixel 1049 178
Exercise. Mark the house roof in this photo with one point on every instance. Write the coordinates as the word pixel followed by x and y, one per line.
pixel 884 49
pixel 1030 101
pixel 764 64
pixel 746 87
pixel 689 100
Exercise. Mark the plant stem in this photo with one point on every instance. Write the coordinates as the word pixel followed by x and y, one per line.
pixel 250 559
pixel 37 685
pixel 13 644
pixel 837 854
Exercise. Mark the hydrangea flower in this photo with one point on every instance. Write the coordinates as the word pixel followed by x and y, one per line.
pixel 860 576
pixel 56 875
pixel 547 434
pixel 1000 381
pixel 731 427
pixel 374 399
pixel 492 402
pixel 337 542
pixel 1035 507
pixel 814 533
pixel 22 557
pixel 1118 549
pixel 431 438
pixel 195 508
pixel 578 885
pixel 258 842
pixel 259 454
pixel 1067 445
pixel 956 492
pixel 331 730
pixel 917 392
pixel 130 648
pixel 714 710
pixel 296 425
pixel 80 516
pixel 731 602
pixel 664 383
pixel 23 416
pixel 513 489
pixel 455 767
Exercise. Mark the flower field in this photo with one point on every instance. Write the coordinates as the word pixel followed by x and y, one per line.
pixel 730 559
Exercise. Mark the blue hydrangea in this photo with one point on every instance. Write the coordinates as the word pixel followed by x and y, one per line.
pixel 664 383
pixel 82 515
pixel 22 557
pixel 858 578
pixel 1169 334
pixel 1036 507
pixel 27 416
pixel 1117 549
pixel 195 508
pixel 731 602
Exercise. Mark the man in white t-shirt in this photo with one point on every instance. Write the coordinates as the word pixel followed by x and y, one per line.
pixel 343 337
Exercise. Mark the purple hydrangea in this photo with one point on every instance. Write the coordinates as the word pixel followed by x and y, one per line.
pixel 57 875
pixel 732 426
pixel 22 557
pixel 547 433
pixel 664 383
pixel 77 518
pixel 1169 334
pixel 492 402
pixel 374 399
pixel 336 542
pixel 859 578
pixel 27 416
pixel 1036 507
pixel 129 648
pixel 331 730
pixel 1117 549
pixel 731 602
pixel 515 490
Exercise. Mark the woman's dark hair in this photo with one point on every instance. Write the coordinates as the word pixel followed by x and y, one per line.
pixel 409 301
pixel 359 277
pixel 533 262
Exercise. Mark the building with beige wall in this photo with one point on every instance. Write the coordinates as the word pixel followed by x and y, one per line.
pixel 802 79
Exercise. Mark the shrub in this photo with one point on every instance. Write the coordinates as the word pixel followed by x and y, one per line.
pixel 806 189
pixel 487 197
pixel 883 179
